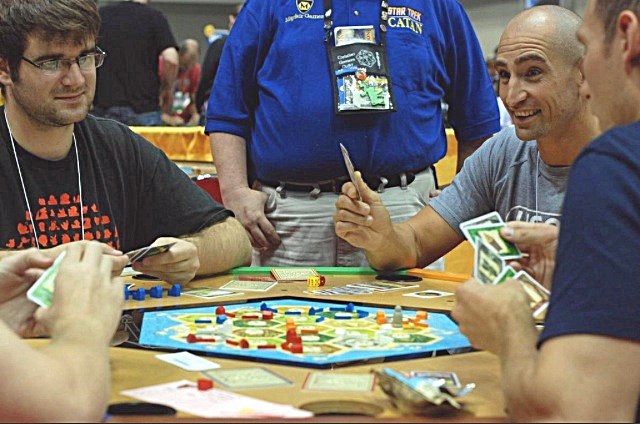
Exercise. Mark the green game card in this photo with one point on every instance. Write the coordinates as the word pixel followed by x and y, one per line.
pixel 41 292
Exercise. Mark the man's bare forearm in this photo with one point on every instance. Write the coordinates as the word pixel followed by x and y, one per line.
pixel 399 251
pixel 525 399
pixel 230 156
pixel 57 377
pixel 222 246
pixel 416 243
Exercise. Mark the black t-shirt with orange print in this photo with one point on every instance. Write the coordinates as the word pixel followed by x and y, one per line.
pixel 131 192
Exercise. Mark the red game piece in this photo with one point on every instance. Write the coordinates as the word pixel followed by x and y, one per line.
pixel 267 346
pixel 206 340
pixel 322 280
pixel 285 346
pixel 220 310
pixel 232 342
pixel 296 339
pixel 230 314
pixel 244 344
pixel 291 332
pixel 191 338
pixel 250 316
pixel 205 384
pixel 267 315
pixel 296 348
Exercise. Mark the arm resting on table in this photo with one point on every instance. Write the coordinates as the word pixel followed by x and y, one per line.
pixel 221 246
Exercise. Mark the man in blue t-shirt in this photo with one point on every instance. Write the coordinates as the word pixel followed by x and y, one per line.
pixel 275 130
pixel 585 366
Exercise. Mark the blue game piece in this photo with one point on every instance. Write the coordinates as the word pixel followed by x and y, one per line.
pixel 350 307
pixel 156 292
pixel 319 319
pixel 220 319
pixel 174 291
pixel 312 311
pixel 264 307
pixel 203 321
pixel 293 313
pixel 274 310
pixel 139 294
pixel 362 314
pixel 127 293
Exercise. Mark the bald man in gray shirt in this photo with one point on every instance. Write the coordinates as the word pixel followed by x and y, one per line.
pixel 521 172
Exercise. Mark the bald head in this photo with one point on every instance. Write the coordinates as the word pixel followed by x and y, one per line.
pixel 189 53
pixel 189 46
pixel 556 24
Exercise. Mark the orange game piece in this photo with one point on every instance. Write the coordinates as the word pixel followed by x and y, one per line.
pixel 421 315
pixel 290 323
pixel 381 317
pixel 312 330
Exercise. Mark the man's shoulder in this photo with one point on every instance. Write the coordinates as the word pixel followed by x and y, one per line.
pixel 107 132
pixel 619 143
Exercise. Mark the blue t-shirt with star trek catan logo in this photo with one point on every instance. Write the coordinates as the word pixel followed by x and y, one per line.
pixel 274 89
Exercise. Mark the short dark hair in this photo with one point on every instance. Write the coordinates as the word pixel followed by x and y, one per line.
pixel 63 20
pixel 608 12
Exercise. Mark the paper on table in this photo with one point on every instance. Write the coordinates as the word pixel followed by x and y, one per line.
pixel 214 403
pixel 188 361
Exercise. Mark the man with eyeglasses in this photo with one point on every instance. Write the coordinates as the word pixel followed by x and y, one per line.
pixel 66 176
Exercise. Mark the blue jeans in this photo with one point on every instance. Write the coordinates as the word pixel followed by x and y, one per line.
pixel 128 116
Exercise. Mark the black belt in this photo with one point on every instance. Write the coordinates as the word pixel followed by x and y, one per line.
pixel 375 182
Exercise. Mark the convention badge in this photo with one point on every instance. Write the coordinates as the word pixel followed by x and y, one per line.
pixel 361 81
pixel 354 34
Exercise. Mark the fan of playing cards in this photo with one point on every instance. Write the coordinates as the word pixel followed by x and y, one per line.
pixel 491 254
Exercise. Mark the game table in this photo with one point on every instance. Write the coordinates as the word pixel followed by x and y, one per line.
pixel 135 368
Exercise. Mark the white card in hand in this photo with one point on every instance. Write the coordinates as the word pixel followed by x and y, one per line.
pixel 188 361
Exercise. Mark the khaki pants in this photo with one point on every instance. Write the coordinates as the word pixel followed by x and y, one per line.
pixel 305 225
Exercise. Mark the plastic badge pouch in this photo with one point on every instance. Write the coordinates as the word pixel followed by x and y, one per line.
pixel 417 396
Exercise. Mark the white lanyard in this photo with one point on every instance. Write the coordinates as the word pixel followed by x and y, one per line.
pixel 24 188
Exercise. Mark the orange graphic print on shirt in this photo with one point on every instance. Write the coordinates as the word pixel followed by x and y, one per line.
pixel 57 221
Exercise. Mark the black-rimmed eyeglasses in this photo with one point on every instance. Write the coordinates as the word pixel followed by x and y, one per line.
pixel 86 62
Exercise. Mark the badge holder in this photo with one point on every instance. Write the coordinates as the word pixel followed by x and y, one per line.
pixel 360 70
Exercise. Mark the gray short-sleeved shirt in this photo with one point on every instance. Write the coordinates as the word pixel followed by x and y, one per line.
pixel 505 175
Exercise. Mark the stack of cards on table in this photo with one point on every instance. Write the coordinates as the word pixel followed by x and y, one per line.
pixel 293 274
pixel 491 254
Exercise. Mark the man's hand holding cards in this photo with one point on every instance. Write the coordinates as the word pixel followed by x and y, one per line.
pixel 491 253
pixel 148 251
pixel 171 259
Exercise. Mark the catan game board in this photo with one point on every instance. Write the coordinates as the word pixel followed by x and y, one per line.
pixel 301 332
